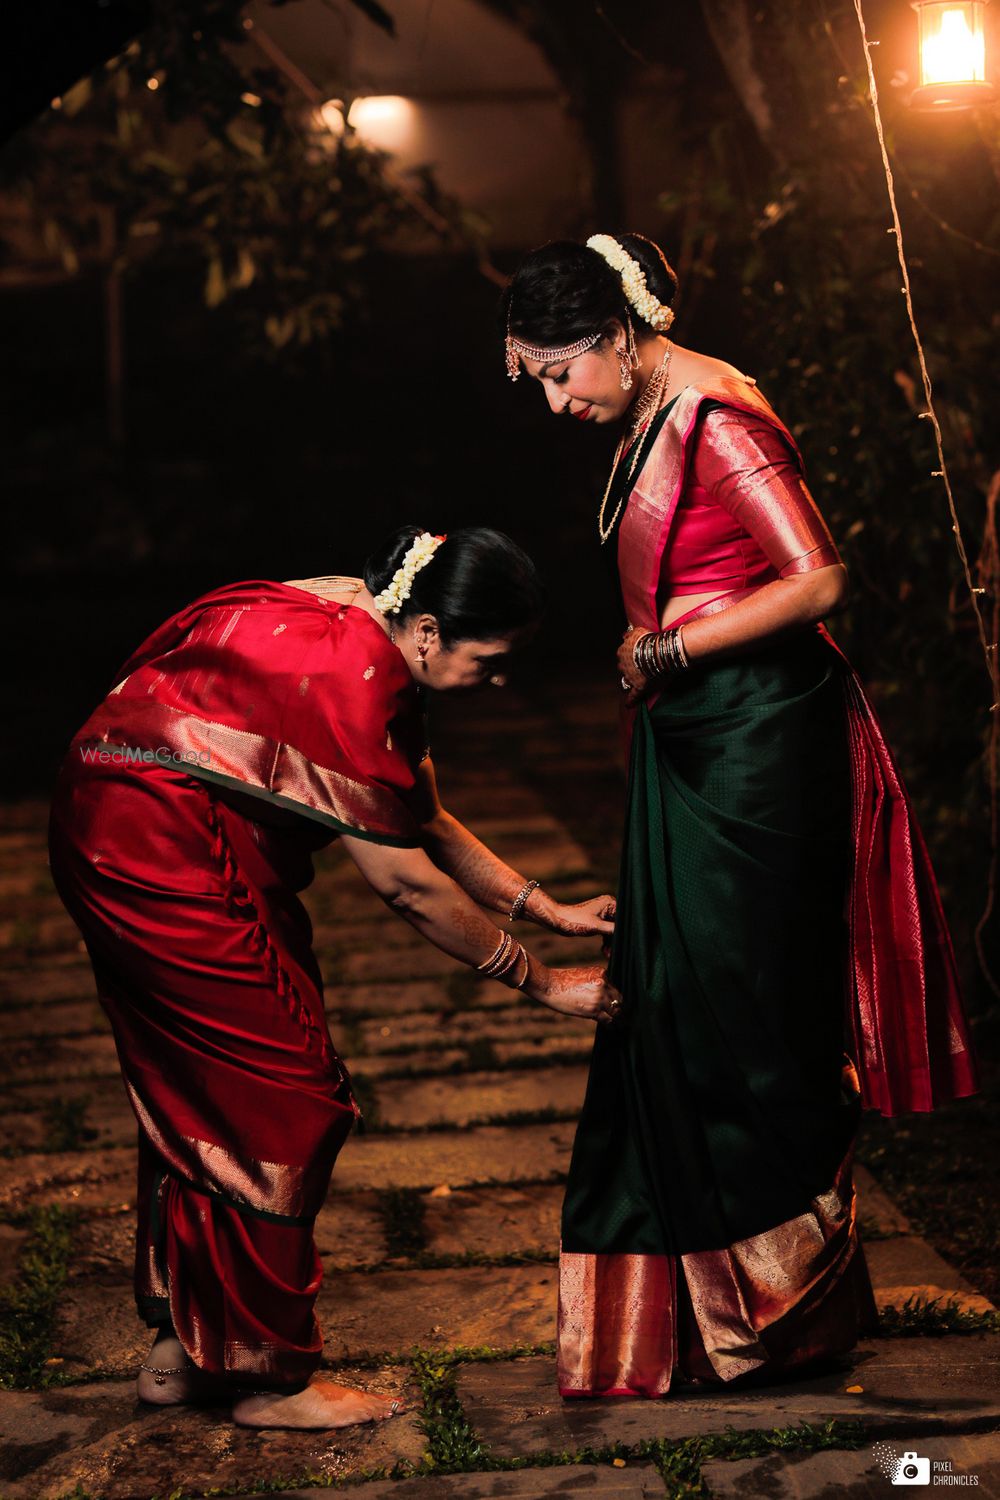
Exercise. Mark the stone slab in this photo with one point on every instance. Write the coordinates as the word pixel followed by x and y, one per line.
pixel 54 1061
pixel 21 882
pixel 105 1179
pixel 526 1051
pixel 973 1464
pixel 101 1113
pixel 877 1213
pixel 45 981
pixel 396 1311
pixel 636 1481
pixel 349 1237
pixel 47 929
pixel 426 1032
pixel 360 1314
pixel 82 1179
pixel 99 1438
pixel 490 1153
pixel 476 1096
pixel 65 1018
pixel 495 1221
pixel 521 1025
pixel 350 1233
pixel 365 1002
pixel 906 1266
pixel 909 1387
pixel 107 1120
pixel 419 961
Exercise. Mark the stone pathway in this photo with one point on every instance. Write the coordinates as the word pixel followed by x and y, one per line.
pixel 440 1232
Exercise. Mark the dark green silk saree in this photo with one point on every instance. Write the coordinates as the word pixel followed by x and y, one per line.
pixel 778 935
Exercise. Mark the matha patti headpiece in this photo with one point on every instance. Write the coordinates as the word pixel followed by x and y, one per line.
pixel 517 348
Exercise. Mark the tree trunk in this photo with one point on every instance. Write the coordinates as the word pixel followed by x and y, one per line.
pixel 749 40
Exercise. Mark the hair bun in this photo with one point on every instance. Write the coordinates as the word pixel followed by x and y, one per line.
pixel 661 278
pixel 381 567
pixel 478 584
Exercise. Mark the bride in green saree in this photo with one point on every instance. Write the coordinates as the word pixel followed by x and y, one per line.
pixel 779 945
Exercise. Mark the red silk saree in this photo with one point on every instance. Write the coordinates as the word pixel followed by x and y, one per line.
pixel 248 731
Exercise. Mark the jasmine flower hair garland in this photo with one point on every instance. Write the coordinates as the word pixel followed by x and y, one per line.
pixel 419 553
pixel 650 308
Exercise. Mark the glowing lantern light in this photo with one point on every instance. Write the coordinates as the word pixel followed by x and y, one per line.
pixel 383 120
pixel 952 55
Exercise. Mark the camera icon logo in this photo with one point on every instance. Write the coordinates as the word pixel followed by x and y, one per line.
pixel 912 1470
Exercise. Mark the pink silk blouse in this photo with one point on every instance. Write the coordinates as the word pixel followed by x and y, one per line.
pixel 745 516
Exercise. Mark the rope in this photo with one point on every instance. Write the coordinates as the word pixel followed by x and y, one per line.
pixel 941 472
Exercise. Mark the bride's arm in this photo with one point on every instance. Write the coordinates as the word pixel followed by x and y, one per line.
pixel 485 877
pixel 749 470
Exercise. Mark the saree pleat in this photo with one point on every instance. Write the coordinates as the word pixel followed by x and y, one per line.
pixel 201 953
pixel 708 1227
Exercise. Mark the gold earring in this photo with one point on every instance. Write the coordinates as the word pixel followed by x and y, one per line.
pixel 624 369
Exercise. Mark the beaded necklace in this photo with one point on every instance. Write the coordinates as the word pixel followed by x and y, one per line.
pixel 646 408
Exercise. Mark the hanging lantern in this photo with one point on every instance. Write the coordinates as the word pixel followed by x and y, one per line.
pixel 952 55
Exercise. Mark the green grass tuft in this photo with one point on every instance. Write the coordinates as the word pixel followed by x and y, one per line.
pixel 66 1127
pixel 28 1307
pixel 920 1318
pixel 452 1445
pixel 402 1211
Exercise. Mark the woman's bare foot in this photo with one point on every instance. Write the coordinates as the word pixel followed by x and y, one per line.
pixel 168 1378
pixel 321 1404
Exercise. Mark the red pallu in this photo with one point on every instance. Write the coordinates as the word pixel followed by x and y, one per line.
pixel 202 950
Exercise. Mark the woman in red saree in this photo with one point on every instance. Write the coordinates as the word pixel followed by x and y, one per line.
pixel 252 728
pixel 779 944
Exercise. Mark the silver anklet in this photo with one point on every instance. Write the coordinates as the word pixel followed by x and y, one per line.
pixel 160 1376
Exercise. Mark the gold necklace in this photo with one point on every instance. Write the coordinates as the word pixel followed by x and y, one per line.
pixel 646 408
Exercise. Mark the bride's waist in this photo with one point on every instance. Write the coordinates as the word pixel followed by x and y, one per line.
pixel 681 608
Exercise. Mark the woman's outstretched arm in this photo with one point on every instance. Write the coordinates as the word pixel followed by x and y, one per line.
pixel 423 895
pixel 485 877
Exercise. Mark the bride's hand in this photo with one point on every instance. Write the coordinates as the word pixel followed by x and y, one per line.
pixel 583 991
pixel 633 684
pixel 583 918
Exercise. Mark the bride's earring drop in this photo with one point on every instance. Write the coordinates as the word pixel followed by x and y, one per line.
pixel 422 653
pixel 628 358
